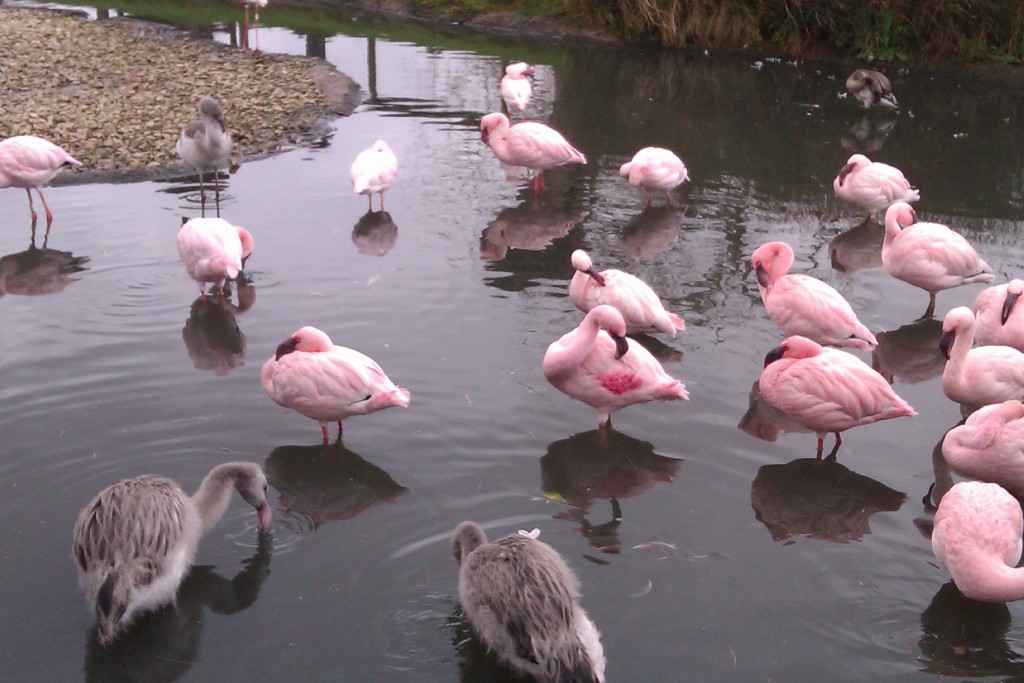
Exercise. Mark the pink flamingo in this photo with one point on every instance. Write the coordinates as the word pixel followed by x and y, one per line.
pixel 374 170
pixel 872 185
pixel 979 376
pixel 655 170
pixel 256 5
pixel 629 295
pixel 977 541
pixel 528 144
pixel 30 162
pixel 990 445
pixel 311 375
pixel 826 390
pixel 213 250
pixel 597 364
pixel 804 305
pixel 1000 321
pixel 929 255
pixel 516 88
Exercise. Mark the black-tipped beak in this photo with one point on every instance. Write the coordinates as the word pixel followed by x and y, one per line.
pixel 1011 301
pixel 843 172
pixel 264 515
pixel 946 342
pixel 485 135
pixel 775 354
pixel 621 346
pixel 598 278
pixel 762 276
pixel 286 347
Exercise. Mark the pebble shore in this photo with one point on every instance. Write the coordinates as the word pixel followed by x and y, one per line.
pixel 116 93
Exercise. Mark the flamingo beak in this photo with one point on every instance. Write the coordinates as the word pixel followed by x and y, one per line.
pixel 485 135
pixel 529 70
pixel 621 346
pixel 775 354
pixel 263 515
pixel 762 276
pixel 286 347
pixel 843 172
pixel 598 278
pixel 946 342
pixel 1011 301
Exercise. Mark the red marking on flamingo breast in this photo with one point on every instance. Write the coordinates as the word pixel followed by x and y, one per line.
pixel 620 382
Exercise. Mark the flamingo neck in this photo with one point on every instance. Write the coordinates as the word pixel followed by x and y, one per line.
pixel 974 438
pixel 994 581
pixel 214 494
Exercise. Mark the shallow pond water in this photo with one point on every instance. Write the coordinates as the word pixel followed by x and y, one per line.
pixel 705 553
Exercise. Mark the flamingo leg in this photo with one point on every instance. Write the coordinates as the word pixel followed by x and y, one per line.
pixel 835 449
pixel 49 216
pixel 256 15
pixel 369 202
pixel 327 436
pixel 930 311
pixel 821 445
pixel 668 196
pixel 216 189
pixel 381 201
pixel 245 31
pixel 31 207
pixel 340 430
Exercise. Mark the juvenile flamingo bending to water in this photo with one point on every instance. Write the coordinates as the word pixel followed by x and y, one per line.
pixel 979 376
pixel 213 250
pixel 655 170
pixel 597 364
pixel 1000 320
pixel 632 297
pixel 30 162
pixel 516 88
pixel 872 185
pixel 977 540
pixel 327 383
pixel 804 305
pixel 826 390
pixel 990 446
pixel 929 255
pixel 374 171
pixel 136 540
pixel 528 144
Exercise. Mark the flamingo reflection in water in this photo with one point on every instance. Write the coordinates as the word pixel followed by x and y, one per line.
pixel 35 271
pixel 375 233
pixel 652 231
pixel 858 248
pixel 910 354
pixel 530 226
pixel 211 334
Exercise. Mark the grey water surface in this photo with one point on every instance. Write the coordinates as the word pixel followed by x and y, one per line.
pixel 706 551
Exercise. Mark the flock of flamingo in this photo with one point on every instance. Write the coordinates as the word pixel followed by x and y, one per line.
pixel 136 540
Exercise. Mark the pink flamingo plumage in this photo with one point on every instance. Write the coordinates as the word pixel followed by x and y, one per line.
pixel 977 541
pixel 596 363
pixel 655 170
pixel 977 376
pixel 30 162
pixel 213 250
pixel 872 185
pixel 516 88
pixel 374 171
pixel 327 383
pixel 929 255
pixel 528 144
pixel 1000 319
pixel 826 390
pixel 804 305
pixel 990 445
pixel 632 297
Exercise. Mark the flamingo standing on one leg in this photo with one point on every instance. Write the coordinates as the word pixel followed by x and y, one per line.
pixel 979 376
pixel 30 162
pixel 872 185
pixel 655 170
pixel 213 250
pixel 327 383
pixel 1000 321
pixel 528 144
pixel 374 170
pixel 632 297
pixel 929 255
pixel 804 305
pixel 597 364
pixel 205 145
pixel 516 88
pixel 826 390
pixel 990 445
pixel 256 5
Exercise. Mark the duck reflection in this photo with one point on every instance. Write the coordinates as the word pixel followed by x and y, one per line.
pixel 327 482
pixel 819 498
pixel 601 464
pixel 869 133
pixel 911 353
pixel 163 645
pixel 212 336
pixel 859 248
pixel 476 663
pixel 375 234
pixel 530 226
pixel 36 271
pixel 652 231
pixel 967 638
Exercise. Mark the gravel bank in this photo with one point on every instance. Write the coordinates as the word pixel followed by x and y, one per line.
pixel 115 93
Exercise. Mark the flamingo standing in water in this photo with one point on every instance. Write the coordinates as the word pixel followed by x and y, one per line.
pixel 256 5
pixel 826 390
pixel 1000 321
pixel 374 170
pixel 655 170
pixel 804 305
pixel 977 541
pixel 516 88
pixel 990 446
pixel 30 162
pixel 872 185
pixel 979 376
pixel 597 364
pixel 929 255
pixel 632 297
pixel 205 145
pixel 528 144
pixel 213 250
pixel 872 88
pixel 327 383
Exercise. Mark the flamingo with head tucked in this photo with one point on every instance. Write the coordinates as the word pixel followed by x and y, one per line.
pixel 929 255
pixel 977 541
pixel 804 305
pixel 826 390
pixel 989 445
pixel 979 376
pixel 596 363
pixel 872 185
pixel 213 250
pixel 655 170
pixel 632 297
pixel 528 144
pixel 516 88
pixel 374 171
pixel 30 162
pixel 872 89
pixel 1000 320
pixel 327 383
